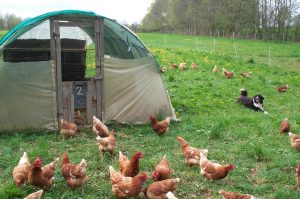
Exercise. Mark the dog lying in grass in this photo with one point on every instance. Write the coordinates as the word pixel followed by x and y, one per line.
pixel 255 103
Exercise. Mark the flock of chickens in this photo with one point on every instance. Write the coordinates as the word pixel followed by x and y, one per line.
pixel 284 128
pixel 43 176
pixel 128 180
pixel 226 73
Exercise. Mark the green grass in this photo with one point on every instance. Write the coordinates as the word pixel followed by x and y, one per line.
pixel 286 55
pixel 210 118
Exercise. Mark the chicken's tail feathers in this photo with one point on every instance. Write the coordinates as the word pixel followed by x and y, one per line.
pixel 165 156
pixel 39 193
pixel 170 195
pixel 120 153
pixel 98 138
pixel 24 158
pixel 95 119
pixel 168 119
pixel 110 168
pixel 61 120
pixel 181 141
pixel 205 152
pixel 83 163
pixel 202 155
pixel 36 195
pixel 54 163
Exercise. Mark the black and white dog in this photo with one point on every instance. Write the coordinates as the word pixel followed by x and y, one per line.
pixel 256 103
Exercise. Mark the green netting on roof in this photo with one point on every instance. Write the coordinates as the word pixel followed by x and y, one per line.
pixel 29 23
pixel 119 41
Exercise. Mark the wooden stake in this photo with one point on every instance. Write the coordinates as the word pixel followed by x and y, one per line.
pixel 270 56
pixel 235 50
pixel 294 39
pixel 214 44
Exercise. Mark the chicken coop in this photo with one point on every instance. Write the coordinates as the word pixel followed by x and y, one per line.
pixel 60 62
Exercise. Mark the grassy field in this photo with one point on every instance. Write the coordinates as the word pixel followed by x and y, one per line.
pixel 286 55
pixel 210 118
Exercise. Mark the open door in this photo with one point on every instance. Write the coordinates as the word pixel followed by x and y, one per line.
pixel 78 50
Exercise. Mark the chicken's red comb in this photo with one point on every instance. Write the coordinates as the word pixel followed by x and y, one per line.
pixel 144 176
pixel 229 167
pixel 155 175
pixel 38 160
pixel 151 117
pixel 139 154
pixel 298 168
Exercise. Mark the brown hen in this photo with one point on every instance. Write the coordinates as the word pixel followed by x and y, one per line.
pixel 162 170
pixel 115 176
pixel 129 186
pixel 295 140
pixel 99 128
pixel 226 73
pixel 212 170
pixel 283 88
pixel 285 126
pixel 215 70
pixel 246 74
pixel 129 168
pixel 38 178
pixel 182 66
pixel 191 154
pixel 21 171
pixel 74 174
pixel 67 129
pixel 160 127
pixel 194 66
pixel 49 169
pixel 35 195
pixel 298 176
pixel 78 119
pixel 233 195
pixel 159 189
pixel 107 144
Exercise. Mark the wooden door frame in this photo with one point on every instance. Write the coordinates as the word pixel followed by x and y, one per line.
pixel 98 24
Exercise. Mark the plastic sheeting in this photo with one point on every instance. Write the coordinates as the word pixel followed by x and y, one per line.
pixel 133 89
pixel 27 95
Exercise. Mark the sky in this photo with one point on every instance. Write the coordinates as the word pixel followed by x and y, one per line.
pixel 124 11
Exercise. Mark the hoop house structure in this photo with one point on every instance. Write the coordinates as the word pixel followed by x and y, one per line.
pixel 64 61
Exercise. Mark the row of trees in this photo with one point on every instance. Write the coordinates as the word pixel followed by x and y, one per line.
pixel 8 21
pixel 261 19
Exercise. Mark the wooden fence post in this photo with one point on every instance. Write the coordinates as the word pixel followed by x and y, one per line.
pixel 235 50
pixel 214 44
pixel 270 56
pixel 294 38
